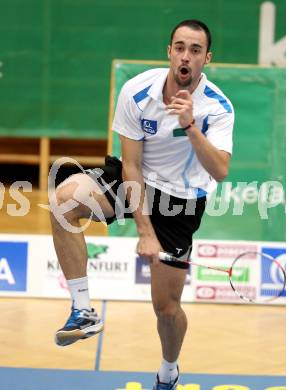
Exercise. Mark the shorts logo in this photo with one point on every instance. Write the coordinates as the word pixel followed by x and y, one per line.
pixel 149 126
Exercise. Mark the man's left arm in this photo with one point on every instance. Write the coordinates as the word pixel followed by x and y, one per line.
pixel 215 160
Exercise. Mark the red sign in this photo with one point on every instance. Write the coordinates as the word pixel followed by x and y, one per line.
pixel 223 293
pixel 230 251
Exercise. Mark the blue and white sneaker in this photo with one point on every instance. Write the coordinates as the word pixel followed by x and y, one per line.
pixel 80 325
pixel 166 386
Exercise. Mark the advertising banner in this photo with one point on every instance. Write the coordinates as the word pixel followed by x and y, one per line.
pixel 29 267
pixel 253 276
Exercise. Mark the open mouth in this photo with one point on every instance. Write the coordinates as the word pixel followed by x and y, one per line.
pixel 184 70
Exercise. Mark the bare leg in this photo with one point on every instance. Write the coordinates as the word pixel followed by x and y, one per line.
pixel 70 247
pixel 175 328
pixel 167 287
pixel 78 197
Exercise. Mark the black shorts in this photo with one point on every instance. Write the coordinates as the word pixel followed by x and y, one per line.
pixel 174 232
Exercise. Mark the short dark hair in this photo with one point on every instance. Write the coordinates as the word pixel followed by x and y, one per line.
pixel 195 25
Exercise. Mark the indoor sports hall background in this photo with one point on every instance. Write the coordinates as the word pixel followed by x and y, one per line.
pixel 62 64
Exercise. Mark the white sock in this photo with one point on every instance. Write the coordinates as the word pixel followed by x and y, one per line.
pixel 79 293
pixel 168 371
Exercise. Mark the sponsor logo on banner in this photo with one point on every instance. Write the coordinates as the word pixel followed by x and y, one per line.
pixel 223 293
pixel 270 273
pixel 143 272
pixel 13 266
pixel 209 275
pixel 103 267
pixel 205 292
pixel 94 251
pixel 99 266
pixel 230 251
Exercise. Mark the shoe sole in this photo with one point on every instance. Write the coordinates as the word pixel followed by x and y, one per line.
pixel 155 387
pixel 64 338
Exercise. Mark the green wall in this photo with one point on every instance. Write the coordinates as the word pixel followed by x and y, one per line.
pixel 253 207
pixel 56 54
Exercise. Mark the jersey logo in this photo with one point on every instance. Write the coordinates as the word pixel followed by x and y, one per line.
pixel 149 126
pixel 180 132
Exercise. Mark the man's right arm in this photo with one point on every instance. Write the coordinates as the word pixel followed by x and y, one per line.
pixel 132 151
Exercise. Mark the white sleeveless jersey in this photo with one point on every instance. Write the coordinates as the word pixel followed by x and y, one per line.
pixel 169 161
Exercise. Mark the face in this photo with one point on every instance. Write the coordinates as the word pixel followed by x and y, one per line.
pixel 188 55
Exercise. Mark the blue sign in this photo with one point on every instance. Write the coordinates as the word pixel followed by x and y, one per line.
pixel 270 272
pixel 13 266
pixel 143 273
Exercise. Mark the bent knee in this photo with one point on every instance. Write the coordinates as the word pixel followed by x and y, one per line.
pixel 88 200
pixel 76 187
pixel 64 193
